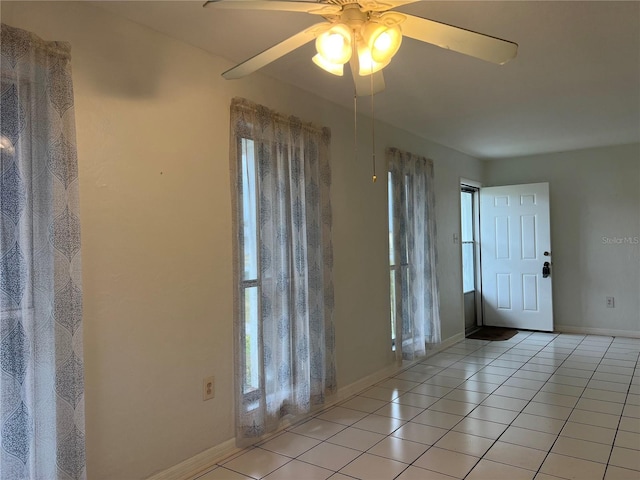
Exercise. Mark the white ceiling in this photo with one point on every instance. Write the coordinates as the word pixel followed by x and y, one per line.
pixel 574 84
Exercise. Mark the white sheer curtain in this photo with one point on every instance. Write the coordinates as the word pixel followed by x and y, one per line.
pixel 293 280
pixel 41 366
pixel 414 242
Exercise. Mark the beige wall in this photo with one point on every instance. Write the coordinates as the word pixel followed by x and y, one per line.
pixel 595 199
pixel 153 132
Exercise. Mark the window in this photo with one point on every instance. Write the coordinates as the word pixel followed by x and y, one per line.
pixel 249 257
pixel 415 318
pixel 283 303
pixel 398 261
pixel 16 261
pixel 467 202
pixel 392 264
pixel 42 386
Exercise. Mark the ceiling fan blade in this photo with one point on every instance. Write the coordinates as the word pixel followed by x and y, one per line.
pixel 382 5
pixel 459 40
pixel 363 83
pixel 283 6
pixel 269 55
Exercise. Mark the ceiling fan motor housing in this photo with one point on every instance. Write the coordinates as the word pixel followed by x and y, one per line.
pixel 353 16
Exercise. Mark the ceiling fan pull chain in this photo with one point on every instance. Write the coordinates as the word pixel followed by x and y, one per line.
pixel 355 124
pixel 373 132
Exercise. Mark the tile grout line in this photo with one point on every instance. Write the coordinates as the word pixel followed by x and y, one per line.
pixel 613 443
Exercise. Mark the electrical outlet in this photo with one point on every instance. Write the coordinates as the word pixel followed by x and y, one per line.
pixel 208 388
pixel 610 302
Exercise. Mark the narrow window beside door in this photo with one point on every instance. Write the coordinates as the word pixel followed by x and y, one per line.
pixel 468 241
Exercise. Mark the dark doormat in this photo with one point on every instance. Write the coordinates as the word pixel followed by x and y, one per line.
pixel 495 334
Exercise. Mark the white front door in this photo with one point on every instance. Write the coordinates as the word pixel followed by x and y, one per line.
pixel 515 243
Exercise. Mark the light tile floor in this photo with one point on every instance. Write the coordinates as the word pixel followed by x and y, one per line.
pixel 538 406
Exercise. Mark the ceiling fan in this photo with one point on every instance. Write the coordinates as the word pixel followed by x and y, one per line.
pixel 364 33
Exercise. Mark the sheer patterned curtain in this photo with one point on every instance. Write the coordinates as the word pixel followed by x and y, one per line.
pixel 280 167
pixel 414 241
pixel 41 367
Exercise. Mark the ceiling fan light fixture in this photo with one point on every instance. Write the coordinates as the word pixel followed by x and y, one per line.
pixel 367 64
pixel 327 66
pixel 334 45
pixel 382 40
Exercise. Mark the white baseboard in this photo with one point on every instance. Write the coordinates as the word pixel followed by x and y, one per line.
pixel 374 378
pixel 200 463
pixel 365 382
pixel 458 337
pixel 597 331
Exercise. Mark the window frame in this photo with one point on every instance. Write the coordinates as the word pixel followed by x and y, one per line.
pixel 475 187
pixel 473 242
pixel 251 393
pixel 396 266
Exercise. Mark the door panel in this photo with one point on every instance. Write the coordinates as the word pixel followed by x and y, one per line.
pixel 514 235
